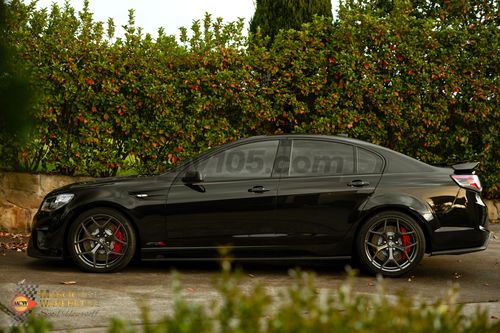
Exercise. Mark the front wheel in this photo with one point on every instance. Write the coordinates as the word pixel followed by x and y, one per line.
pixel 101 240
pixel 390 243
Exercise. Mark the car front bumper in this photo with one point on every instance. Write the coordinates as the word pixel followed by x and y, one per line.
pixel 47 236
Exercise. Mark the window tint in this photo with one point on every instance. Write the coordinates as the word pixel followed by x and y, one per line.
pixel 320 158
pixel 252 160
pixel 368 162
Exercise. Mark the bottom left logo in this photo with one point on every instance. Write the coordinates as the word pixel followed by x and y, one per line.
pixel 23 303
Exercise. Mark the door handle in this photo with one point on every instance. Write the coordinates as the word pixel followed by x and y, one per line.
pixel 358 183
pixel 258 189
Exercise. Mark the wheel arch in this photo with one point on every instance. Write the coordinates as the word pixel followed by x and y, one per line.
pixel 77 211
pixel 421 221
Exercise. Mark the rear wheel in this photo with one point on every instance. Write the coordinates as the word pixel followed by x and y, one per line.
pixel 390 243
pixel 101 240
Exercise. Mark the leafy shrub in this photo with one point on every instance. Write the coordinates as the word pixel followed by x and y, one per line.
pixel 420 79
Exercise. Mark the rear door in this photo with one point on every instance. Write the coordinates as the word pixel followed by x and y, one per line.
pixel 321 190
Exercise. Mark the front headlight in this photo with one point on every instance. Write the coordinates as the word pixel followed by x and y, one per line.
pixel 52 203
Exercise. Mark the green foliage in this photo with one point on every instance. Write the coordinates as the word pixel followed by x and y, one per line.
pixel 302 307
pixel 271 16
pixel 415 76
pixel 15 95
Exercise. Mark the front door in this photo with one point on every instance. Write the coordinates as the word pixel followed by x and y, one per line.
pixel 233 205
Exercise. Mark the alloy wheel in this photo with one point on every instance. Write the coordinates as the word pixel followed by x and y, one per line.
pixel 101 240
pixel 392 244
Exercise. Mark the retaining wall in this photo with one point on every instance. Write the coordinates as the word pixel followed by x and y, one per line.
pixel 21 194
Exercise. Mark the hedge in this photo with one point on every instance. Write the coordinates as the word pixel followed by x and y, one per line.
pixel 418 78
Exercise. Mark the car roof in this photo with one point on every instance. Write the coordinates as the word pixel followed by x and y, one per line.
pixel 304 136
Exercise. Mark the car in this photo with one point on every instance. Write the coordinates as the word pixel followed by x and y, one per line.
pixel 284 197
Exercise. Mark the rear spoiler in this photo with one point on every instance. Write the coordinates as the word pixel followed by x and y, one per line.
pixel 465 168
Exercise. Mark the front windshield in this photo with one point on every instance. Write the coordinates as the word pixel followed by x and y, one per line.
pixel 182 163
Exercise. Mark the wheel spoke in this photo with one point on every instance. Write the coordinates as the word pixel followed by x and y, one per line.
pixel 96 247
pixel 405 247
pixel 403 252
pixel 120 241
pixel 117 230
pixel 390 257
pixel 378 233
pixel 397 264
pixel 375 245
pixel 85 230
pixel 375 255
pixel 407 256
pixel 95 222
pixel 407 233
pixel 385 263
pixel 106 223
pixel 85 239
pixel 411 244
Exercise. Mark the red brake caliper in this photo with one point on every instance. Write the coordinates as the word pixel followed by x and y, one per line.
pixel 118 246
pixel 406 240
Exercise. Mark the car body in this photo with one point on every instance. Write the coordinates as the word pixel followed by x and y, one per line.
pixel 287 197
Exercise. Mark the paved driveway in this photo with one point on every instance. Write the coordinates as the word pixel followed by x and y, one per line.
pixel 89 300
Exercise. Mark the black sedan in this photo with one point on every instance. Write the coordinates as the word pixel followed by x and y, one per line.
pixel 290 197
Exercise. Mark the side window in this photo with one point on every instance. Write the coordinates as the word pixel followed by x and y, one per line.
pixel 368 162
pixel 320 158
pixel 251 160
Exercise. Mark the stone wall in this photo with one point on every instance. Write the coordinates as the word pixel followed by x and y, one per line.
pixel 21 194
pixel 493 210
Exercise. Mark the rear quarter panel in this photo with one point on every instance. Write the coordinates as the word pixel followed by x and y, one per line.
pixel 426 196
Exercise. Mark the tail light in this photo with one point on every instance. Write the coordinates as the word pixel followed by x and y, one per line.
pixel 468 181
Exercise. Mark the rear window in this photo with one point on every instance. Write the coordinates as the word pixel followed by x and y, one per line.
pixel 369 162
pixel 399 163
pixel 320 158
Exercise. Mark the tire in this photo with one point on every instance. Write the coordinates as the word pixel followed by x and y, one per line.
pixel 390 243
pixel 101 240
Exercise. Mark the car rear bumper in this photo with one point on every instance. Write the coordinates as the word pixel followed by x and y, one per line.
pixel 464 240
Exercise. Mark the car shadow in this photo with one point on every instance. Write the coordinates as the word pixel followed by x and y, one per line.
pixel 166 266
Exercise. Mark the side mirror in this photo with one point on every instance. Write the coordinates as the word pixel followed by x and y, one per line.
pixel 192 177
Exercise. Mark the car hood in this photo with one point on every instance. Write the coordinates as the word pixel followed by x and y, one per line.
pixel 122 182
